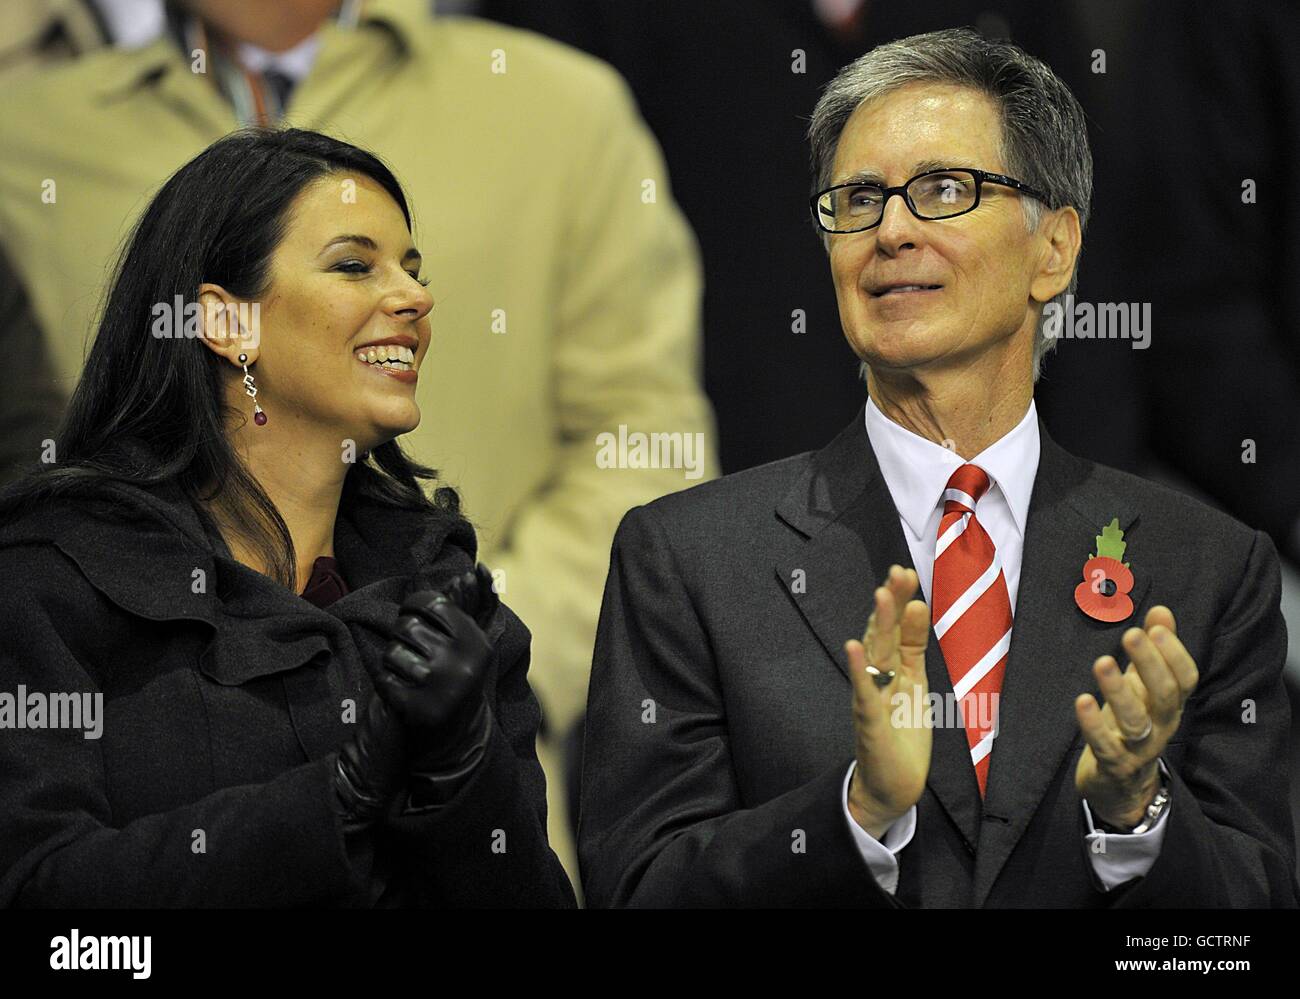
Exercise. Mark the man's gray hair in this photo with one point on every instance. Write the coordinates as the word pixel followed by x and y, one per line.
pixel 1044 140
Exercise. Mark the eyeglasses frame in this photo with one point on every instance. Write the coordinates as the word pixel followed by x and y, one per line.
pixel 982 177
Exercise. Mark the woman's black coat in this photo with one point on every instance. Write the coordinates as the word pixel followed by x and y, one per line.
pixel 224 702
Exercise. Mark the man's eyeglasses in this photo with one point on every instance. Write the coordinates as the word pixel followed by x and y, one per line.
pixel 938 194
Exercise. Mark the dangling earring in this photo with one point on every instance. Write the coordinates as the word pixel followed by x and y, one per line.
pixel 258 416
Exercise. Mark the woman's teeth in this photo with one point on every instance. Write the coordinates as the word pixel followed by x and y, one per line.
pixel 390 355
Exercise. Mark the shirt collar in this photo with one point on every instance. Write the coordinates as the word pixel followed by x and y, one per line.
pixel 295 63
pixel 917 470
pixel 132 24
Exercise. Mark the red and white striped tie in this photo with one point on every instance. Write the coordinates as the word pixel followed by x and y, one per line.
pixel 971 612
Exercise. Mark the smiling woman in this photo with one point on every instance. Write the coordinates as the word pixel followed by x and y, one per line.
pixel 312 695
pixel 312 237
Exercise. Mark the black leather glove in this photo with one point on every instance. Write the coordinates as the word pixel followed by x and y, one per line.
pixel 372 766
pixel 434 676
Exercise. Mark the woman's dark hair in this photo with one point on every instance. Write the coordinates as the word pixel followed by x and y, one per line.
pixel 217 219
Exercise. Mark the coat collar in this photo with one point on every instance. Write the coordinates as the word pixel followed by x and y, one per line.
pixel 147 550
pixel 407 22
pixel 852 534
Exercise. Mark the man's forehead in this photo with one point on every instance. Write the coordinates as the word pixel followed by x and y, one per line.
pixel 927 127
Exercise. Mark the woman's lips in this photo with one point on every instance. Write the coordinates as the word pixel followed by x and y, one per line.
pixel 409 376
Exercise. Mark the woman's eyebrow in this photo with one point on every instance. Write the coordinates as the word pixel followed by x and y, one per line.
pixel 365 241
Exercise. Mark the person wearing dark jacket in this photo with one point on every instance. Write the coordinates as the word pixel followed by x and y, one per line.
pixel 246 660
pixel 980 745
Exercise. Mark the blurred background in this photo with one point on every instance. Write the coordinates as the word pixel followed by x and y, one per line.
pixel 1194 110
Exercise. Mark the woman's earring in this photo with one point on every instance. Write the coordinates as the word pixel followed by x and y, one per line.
pixel 258 416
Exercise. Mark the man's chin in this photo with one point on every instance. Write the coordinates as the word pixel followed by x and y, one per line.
pixel 898 357
pixel 902 347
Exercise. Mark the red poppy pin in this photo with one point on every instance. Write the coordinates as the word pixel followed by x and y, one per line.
pixel 1103 594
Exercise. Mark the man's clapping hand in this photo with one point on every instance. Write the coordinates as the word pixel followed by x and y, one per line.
pixel 1117 772
pixel 893 761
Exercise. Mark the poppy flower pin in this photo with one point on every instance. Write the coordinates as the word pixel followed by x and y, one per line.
pixel 1104 593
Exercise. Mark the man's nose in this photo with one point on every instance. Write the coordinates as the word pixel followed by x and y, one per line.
pixel 898 227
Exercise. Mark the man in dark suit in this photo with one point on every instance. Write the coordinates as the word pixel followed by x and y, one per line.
pixel 744 748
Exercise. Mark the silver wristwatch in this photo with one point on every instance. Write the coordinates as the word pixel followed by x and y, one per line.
pixel 1154 810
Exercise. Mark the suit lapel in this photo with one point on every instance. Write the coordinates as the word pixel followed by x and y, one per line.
pixel 1053 646
pixel 842 506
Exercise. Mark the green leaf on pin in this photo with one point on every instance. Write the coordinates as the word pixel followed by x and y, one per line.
pixel 1110 542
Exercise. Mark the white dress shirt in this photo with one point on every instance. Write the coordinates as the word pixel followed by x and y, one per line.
pixel 132 24
pixel 916 471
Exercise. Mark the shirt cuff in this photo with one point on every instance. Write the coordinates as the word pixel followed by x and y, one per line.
pixel 880 857
pixel 1120 857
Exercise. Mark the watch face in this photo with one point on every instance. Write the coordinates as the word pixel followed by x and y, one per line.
pixel 1154 810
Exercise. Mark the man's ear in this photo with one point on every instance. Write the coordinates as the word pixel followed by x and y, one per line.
pixel 224 330
pixel 1064 239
